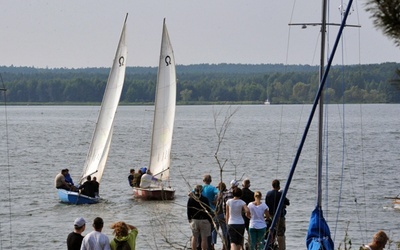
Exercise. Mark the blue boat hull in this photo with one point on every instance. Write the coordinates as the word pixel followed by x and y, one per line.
pixel 76 198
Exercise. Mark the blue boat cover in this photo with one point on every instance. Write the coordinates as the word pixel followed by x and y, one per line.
pixel 318 235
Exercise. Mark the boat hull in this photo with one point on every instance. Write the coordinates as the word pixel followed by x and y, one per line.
pixel 154 193
pixel 75 198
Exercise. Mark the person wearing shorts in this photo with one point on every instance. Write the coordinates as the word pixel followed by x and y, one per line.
pixel 199 216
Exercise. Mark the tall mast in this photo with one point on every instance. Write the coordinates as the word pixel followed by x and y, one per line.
pixel 321 105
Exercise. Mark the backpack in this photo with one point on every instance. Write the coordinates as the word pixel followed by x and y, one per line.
pixel 122 245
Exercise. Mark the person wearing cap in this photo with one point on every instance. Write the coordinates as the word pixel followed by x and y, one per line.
pixel 123 234
pixel 74 239
pixel 199 217
pixel 272 200
pixel 96 240
pixel 229 195
pixel 378 241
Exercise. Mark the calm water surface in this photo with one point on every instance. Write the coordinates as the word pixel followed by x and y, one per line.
pixel 260 144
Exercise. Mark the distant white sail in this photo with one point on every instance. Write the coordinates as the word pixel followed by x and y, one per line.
pixel 164 114
pixel 101 141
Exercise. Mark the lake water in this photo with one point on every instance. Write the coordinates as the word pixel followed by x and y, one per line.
pixel 260 143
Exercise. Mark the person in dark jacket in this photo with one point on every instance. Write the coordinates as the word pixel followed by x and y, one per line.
pixel 89 187
pixel 199 216
pixel 272 200
pixel 74 239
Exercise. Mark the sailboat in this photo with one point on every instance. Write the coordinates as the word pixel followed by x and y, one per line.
pixel 318 235
pixel 101 141
pixel 163 126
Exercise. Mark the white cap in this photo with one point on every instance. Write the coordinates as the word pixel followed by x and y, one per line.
pixel 79 222
pixel 234 183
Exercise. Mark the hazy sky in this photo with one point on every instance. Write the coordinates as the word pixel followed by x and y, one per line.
pixel 84 33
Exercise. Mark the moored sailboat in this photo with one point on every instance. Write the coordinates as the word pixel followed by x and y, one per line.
pixel 163 126
pixel 101 141
pixel 318 235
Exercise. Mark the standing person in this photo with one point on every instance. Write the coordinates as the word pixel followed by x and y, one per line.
pixel 220 216
pixel 257 226
pixel 378 241
pixel 74 239
pixel 96 240
pixel 130 177
pixel 247 196
pixel 125 234
pixel 272 200
pixel 226 196
pixel 210 192
pixel 234 209
pixel 198 214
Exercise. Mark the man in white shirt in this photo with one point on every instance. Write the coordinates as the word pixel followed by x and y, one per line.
pixel 96 240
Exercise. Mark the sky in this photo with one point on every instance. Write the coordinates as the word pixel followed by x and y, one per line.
pixel 85 33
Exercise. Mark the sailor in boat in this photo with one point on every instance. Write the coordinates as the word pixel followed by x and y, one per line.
pixel 136 178
pixel 68 178
pixel 148 179
pixel 96 185
pixel 60 183
pixel 89 187
pixel 378 242
pixel 131 176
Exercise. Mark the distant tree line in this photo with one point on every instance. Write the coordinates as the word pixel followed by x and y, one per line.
pixel 206 83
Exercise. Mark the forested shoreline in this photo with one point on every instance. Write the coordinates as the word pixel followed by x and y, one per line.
pixel 206 84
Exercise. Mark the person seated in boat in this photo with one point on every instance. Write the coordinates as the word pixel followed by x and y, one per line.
pixel 60 183
pixel 136 178
pixel 131 176
pixel 148 179
pixel 88 188
pixel 378 242
pixel 68 177
pixel 96 185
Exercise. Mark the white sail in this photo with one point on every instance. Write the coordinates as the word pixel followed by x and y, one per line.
pixel 101 141
pixel 164 114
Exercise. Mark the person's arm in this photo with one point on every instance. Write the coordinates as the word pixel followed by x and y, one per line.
pixel 227 213
pixel 246 211
pixel 266 213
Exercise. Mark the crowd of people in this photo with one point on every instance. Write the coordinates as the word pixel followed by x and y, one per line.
pixel 236 211
pixel 239 210
pixel 124 236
